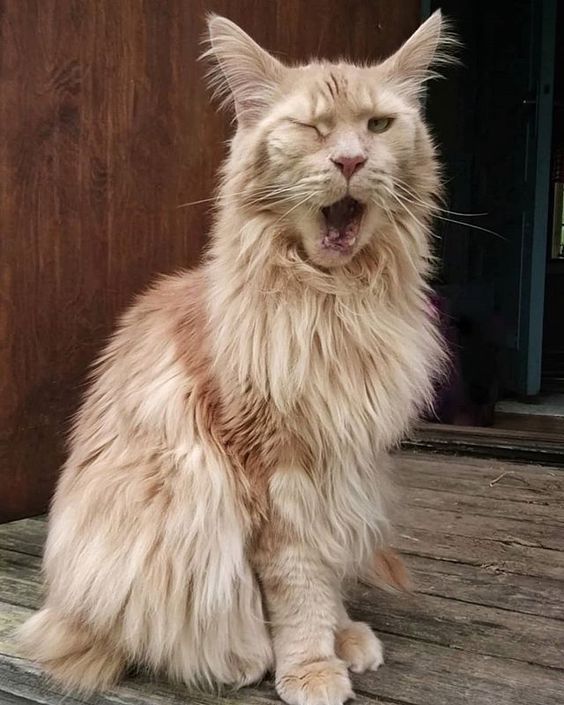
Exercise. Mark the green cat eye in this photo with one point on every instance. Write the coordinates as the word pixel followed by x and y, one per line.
pixel 379 124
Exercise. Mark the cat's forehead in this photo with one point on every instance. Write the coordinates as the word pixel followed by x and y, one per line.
pixel 326 90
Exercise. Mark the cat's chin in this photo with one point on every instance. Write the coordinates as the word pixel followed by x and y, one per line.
pixel 329 258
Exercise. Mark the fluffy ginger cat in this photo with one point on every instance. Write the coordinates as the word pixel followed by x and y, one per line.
pixel 228 468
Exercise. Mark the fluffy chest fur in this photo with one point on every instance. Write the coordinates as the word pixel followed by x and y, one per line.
pixel 337 370
pixel 344 363
pixel 343 378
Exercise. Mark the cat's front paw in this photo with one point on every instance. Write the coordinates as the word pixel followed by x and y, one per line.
pixel 359 647
pixel 319 683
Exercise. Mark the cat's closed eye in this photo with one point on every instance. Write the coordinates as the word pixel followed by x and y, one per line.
pixel 379 124
pixel 307 125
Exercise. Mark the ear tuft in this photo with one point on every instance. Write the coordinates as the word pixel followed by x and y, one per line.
pixel 430 47
pixel 242 73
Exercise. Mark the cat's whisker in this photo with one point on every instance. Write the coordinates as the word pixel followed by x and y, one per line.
pixel 197 203
pixel 217 197
pixel 434 206
pixel 225 198
pixel 401 202
pixel 293 208
pixel 297 193
pixel 276 197
pixel 471 226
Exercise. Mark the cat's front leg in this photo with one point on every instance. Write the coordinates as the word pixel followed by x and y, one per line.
pixel 304 614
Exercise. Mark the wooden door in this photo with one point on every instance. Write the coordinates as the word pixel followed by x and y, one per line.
pixel 105 128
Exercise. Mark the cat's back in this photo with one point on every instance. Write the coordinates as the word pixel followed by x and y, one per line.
pixel 144 376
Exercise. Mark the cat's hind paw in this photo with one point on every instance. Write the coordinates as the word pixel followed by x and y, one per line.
pixel 359 647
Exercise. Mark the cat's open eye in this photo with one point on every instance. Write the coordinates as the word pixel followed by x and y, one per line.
pixel 379 124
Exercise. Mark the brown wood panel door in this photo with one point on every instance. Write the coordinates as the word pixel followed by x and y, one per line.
pixel 105 128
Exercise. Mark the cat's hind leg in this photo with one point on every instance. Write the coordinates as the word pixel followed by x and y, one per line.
pixel 74 657
pixel 356 644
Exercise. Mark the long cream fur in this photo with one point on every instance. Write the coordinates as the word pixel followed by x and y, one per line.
pixel 228 468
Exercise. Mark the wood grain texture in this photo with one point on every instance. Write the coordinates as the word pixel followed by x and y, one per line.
pixel 488 442
pixel 474 632
pixel 488 585
pixel 106 129
pixel 481 552
pixel 482 505
pixel 27 536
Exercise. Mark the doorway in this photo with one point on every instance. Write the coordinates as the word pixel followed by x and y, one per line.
pixel 499 281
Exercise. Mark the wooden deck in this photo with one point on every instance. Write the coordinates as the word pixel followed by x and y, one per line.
pixel 485 543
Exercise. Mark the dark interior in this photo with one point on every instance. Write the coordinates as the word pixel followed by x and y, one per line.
pixel 490 282
pixel 553 343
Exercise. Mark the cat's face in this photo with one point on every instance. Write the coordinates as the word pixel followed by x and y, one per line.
pixel 333 148
pixel 330 149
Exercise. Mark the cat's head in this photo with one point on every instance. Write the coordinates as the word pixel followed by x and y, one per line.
pixel 332 150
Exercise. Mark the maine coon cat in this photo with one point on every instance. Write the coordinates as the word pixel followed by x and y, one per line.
pixel 228 468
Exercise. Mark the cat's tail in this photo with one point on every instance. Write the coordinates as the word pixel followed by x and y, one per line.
pixel 70 653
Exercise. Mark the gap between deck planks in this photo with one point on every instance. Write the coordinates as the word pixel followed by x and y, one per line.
pixel 485 626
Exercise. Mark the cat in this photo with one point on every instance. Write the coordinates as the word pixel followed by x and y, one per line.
pixel 229 466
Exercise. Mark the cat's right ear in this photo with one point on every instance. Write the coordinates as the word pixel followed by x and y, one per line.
pixel 243 74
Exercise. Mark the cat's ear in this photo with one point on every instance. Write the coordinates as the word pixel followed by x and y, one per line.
pixel 431 46
pixel 242 74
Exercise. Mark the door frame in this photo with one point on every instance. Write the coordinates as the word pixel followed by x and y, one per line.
pixel 533 272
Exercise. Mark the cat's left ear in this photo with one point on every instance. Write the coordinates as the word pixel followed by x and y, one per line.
pixel 431 46
pixel 243 74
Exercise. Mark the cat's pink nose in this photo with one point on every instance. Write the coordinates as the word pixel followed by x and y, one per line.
pixel 349 165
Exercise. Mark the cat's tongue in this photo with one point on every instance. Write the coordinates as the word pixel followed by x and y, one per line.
pixel 342 223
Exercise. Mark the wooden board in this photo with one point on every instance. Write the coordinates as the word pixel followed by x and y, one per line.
pixel 485 624
pixel 486 442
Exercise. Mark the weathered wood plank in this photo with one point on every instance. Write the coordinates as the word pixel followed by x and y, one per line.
pixel 492 555
pixel 507 531
pixel 421 673
pixel 416 673
pixel 472 628
pixel 24 536
pixel 21 593
pixel 476 467
pixel 11 617
pixel 20 578
pixel 540 511
pixel 484 586
pixel 476 475
pixel 534 597
pixel 24 680
pixel 486 625
pixel 474 488
pixel 423 622
pixel 8 699
pixel 18 564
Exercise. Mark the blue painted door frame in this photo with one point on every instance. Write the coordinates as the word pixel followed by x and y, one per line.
pixel 534 267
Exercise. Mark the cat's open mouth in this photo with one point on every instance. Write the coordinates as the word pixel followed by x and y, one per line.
pixel 342 224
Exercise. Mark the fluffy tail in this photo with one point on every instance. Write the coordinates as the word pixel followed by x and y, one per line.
pixel 388 572
pixel 70 653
